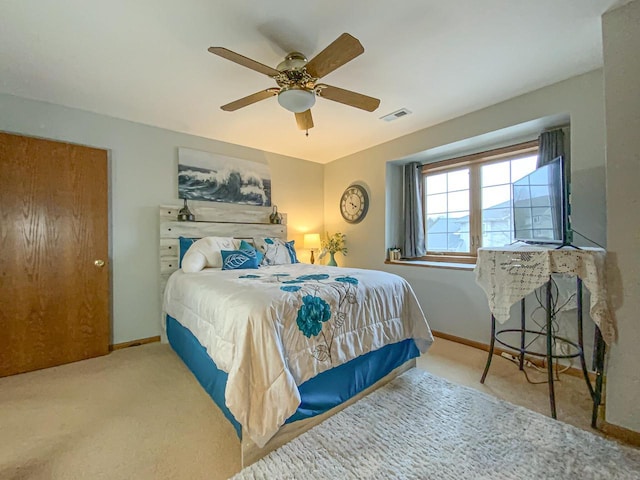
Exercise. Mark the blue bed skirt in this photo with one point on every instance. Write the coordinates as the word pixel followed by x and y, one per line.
pixel 319 394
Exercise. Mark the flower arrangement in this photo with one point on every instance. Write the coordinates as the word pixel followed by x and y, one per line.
pixel 333 244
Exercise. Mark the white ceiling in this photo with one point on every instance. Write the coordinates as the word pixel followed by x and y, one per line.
pixel 147 61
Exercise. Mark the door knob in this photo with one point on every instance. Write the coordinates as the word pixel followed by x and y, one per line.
pixel 99 263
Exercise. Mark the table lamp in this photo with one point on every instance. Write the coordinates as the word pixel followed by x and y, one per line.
pixel 312 242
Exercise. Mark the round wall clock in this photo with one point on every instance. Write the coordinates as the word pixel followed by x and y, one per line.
pixel 354 203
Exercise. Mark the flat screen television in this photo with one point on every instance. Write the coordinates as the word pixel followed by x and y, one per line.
pixel 541 205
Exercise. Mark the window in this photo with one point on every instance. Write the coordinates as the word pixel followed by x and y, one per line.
pixel 468 201
pixel 448 206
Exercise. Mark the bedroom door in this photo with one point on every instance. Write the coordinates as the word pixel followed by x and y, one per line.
pixel 54 275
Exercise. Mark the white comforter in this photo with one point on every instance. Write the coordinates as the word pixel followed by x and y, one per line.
pixel 273 328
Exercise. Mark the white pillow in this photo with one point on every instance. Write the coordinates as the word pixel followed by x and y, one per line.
pixel 206 253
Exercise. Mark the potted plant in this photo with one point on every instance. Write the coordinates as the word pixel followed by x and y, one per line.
pixel 333 244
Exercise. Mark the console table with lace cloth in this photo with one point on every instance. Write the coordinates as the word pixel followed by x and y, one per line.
pixel 508 274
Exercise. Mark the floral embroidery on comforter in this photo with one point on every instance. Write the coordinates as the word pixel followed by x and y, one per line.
pixel 320 313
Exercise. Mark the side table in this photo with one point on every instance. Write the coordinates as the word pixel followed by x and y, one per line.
pixel 509 274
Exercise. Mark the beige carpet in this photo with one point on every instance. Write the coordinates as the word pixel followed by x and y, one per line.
pixel 139 414
pixel 464 365
pixel 134 414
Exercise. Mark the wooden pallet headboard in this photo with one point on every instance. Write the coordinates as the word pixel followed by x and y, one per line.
pixel 223 220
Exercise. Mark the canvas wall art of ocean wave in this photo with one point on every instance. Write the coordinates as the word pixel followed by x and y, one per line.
pixel 215 178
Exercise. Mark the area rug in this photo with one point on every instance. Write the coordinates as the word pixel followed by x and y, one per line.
pixel 420 426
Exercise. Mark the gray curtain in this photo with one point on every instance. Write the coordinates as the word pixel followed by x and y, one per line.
pixel 550 146
pixel 414 244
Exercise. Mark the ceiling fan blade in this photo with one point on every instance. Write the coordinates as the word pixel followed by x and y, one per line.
pixel 304 120
pixel 243 102
pixel 244 61
pixel 344 49
pixel 348 97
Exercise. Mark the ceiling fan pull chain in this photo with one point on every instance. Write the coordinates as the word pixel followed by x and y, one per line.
pixel 307 134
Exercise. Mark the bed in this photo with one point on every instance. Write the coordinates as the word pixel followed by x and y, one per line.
pixel 281 347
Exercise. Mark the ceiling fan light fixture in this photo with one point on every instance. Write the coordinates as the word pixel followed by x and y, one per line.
pixel 296 99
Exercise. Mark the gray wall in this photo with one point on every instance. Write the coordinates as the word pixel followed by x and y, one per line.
pixel 143 163
pixel 451 299
pixel 621 33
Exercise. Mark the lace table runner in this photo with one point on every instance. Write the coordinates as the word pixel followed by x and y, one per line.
pixel 508 274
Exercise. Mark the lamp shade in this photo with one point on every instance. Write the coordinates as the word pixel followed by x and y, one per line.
pixel 296 99
pixel 311 240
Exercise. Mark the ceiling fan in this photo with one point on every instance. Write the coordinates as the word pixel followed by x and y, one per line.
pixel 297 80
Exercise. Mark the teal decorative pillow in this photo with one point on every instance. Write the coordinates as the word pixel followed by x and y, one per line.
pixel 239 259
pixel 276 251
pixel 185 243
pixel 248 247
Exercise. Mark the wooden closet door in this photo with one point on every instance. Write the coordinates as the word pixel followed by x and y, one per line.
pixel 54 292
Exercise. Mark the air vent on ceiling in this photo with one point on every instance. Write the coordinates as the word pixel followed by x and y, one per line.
pixel 395 115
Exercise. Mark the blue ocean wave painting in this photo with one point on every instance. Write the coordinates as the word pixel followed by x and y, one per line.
pixel 213 178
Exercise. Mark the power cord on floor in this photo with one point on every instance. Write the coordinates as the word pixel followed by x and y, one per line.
pixel 529 364
pixel 542 327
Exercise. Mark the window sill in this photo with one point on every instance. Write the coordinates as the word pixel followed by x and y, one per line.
pixel 424 263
